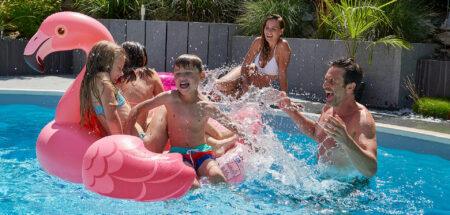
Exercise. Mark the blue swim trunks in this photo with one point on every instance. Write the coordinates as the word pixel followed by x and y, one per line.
pixel 195 156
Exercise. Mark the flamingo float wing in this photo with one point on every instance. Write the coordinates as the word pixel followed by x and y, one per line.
pixel 119 166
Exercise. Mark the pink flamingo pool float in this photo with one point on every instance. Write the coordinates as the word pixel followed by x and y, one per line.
pixel 117 166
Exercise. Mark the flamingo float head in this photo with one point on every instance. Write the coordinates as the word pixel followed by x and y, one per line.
pixel 63 31
pixel 59 32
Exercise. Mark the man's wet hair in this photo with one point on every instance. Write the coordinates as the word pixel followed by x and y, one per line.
pixel 189 61
pixel 353 72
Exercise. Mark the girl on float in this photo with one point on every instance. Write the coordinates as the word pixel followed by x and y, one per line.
pixel 103 108
pixel 139 82
pixel 267 60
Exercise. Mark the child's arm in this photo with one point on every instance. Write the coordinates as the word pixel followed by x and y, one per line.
pixel 109 102
pixel 144 106
pixel 212 131
pixel 222 118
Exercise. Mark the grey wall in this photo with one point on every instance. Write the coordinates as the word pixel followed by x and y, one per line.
pixel 218 45
pixel 12 62
pixel 165 41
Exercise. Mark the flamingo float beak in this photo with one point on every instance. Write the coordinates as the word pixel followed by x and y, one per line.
pixel 36 50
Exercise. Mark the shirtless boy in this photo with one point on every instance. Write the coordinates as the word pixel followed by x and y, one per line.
pixel 345 130
pixel 188 112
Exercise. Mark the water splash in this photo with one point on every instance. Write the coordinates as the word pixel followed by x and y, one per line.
pixel 271 168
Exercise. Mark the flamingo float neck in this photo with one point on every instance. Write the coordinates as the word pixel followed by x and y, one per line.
pixel 66 31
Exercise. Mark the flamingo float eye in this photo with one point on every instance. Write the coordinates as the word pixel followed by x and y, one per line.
pixel 61 31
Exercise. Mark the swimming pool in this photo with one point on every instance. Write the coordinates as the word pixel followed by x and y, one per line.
pixel 282 179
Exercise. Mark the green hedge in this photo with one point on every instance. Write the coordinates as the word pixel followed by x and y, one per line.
pixel 167 10
pixel 295 14
pixel 25 16
pixel 411 19
pixel 435 107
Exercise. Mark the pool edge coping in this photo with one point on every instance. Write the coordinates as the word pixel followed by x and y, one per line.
pixel 382 127
pixel 31 92
pixel 396 130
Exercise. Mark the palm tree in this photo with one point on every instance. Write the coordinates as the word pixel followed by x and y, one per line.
pixel 353 21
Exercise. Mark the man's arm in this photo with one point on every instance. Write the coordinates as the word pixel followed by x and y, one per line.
pixel 362 149
pixel 307 126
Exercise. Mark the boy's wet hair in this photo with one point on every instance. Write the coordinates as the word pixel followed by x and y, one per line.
pixel 189 61
pixel 353 72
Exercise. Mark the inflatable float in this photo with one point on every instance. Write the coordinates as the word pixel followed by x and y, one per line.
pixel 117 166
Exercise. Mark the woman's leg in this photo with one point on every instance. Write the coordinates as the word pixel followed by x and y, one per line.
pixel 230 81
pixel 157 137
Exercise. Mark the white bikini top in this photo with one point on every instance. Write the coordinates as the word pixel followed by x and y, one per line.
pixel 271 67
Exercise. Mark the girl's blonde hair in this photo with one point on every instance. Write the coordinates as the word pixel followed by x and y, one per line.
pixel 100 59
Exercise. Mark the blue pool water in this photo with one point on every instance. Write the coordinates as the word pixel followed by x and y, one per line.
pixel 283 180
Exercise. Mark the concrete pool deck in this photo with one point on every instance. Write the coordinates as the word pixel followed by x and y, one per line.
pixel 382 118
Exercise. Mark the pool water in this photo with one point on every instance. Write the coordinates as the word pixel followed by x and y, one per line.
pixel 282 179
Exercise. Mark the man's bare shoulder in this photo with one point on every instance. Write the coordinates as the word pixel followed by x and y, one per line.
pixel 366 119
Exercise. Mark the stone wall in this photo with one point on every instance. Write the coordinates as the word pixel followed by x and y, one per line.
pixel 166 40
pixel 218 45
pixel 12 62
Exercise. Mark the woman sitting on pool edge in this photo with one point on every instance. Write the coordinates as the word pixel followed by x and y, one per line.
pixel 267 60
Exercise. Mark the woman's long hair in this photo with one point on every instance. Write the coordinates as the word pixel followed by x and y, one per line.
pixel 100 59
pixel 135 63
pixel 265 50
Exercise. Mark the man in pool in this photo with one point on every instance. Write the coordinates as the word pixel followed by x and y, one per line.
pixel 345 130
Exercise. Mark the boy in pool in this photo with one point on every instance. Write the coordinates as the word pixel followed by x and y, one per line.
pixel 188 112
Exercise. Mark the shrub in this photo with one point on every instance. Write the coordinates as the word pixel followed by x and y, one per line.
pixel 26 16
pixel 110 9
pixel 169 10
pixel 294 12
pixel 410 19
pixel 435 107
pixel 194 10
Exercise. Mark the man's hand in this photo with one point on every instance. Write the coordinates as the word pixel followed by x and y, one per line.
pixel 336 128
pixel 285 102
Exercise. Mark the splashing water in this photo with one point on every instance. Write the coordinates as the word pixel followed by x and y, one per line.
pixel 282 178
pixel 295 181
